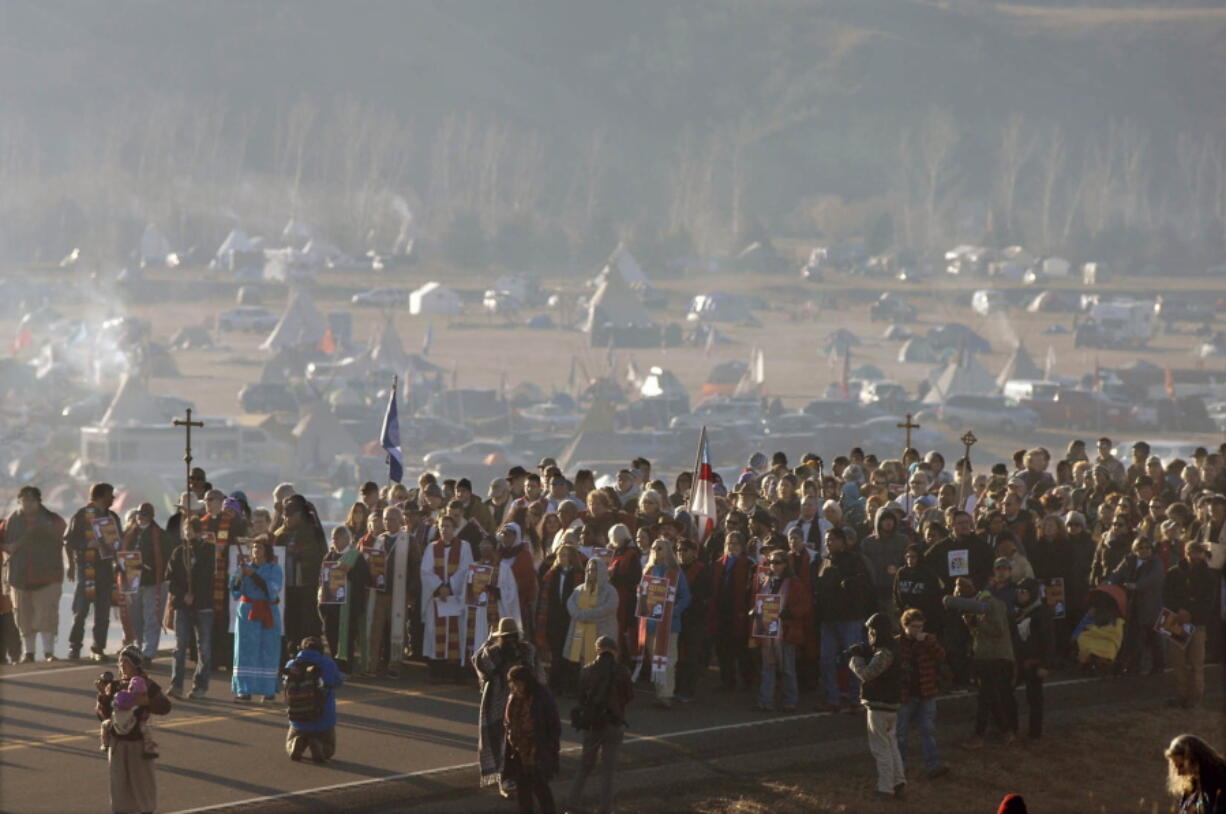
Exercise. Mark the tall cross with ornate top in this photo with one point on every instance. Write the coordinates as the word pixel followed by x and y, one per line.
pixel 187 423
pixel 968 440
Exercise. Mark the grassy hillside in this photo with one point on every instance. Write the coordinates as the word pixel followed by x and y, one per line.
pixel 693 117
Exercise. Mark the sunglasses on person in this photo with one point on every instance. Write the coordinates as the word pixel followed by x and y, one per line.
pixel 779 562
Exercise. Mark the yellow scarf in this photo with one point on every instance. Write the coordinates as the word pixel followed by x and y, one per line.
pixel 583 643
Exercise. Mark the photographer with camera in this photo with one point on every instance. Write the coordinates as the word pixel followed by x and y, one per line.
pixel 878 667
pixel 133 785
pixel 605 689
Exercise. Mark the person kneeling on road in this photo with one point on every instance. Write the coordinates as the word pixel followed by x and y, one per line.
pixel 311 679
pixel 878 667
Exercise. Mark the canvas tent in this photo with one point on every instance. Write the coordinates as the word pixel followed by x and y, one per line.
pixel 302 324
pixel 614 309
pixel 321 438
pixel 296 232
pixel 236 245
pixel 133 404
pixel 387 353
pixel 962 376
pixel 434 298
pixel 917 349
pixel 624 263
pixel 153 246
pixel 1018 366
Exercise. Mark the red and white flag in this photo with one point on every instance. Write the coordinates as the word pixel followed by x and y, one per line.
pixel 702 491
pixel 24 337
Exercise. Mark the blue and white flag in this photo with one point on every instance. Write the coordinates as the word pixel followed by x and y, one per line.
pixel 390 439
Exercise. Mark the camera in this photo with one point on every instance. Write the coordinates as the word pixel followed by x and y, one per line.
pixel 859 649
pixel 106 683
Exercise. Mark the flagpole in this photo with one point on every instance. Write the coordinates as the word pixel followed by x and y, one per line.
pixel 689 504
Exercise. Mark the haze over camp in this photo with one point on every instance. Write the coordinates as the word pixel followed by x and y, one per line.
pixel 797 405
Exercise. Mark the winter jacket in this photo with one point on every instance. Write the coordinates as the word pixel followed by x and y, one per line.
pixel 1109 554
pixel 920 662
pixel 843 590
pixel 190 570
pixel 1147 575
pixel 1191 588
pixel 331 676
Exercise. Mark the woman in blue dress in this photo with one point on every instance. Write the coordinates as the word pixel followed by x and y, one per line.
pixel 257 629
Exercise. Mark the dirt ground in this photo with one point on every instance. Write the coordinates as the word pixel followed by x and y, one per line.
pixel 1107 765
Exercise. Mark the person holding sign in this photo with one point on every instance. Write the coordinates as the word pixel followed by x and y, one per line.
pixel 663 597
pixel 342 599
pixel 490 594
pixel 257 627
pixel 147 601
pixel 1188 593
pixel 444 567
pixel 780 609
pixel 389 563
pixel 93 537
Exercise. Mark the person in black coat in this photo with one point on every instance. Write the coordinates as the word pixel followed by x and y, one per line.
pixel 1033 647
pixel 845 597
pixel 918 586
pixel 1189 591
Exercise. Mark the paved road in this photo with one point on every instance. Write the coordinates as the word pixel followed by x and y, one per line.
pixel 216 752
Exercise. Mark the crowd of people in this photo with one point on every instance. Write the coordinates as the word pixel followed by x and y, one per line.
pixel 878 583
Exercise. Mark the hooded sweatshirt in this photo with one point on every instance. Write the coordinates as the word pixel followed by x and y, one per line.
pixel 884 550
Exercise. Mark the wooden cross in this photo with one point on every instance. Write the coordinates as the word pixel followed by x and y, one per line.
pixel 187 423
pixel 968 441
pixel 908 425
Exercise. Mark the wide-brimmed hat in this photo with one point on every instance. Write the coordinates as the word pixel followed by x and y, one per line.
pixel 507 627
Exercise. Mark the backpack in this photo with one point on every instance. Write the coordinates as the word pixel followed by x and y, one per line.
pixel 304 692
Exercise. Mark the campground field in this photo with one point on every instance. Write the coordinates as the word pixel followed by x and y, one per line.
pixel 485 351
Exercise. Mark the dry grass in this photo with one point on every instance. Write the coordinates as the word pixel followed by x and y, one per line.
pixel 1108 764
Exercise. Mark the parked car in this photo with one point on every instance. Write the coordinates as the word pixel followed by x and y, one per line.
pixel 1081 409
pixel 549 417
pixel 267 398
pixel 426 432
pixel 384 297
pixel 836 411
pixel 888 395
pixel 988 412
pixel 987 301
pixel 474 453
pixel 1117 324
pixel 719 412
pixel 247 318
